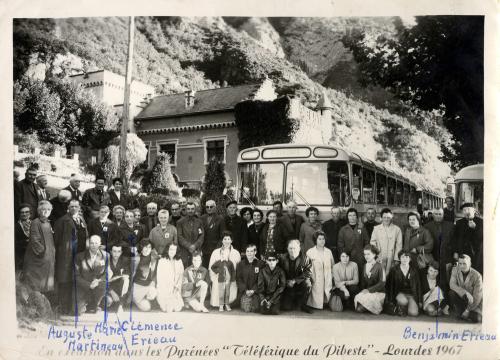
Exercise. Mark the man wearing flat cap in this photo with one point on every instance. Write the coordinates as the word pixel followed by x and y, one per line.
pixel 237 226
pixel 469 236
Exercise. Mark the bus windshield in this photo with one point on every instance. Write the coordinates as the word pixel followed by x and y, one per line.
pixel 471 192
pixel 260 183
pixel 318 183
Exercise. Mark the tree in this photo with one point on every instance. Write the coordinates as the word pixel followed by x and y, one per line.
pixel 214 184
pixel 61 112
pixel 160 179
pixel 136 155
pixel 438 63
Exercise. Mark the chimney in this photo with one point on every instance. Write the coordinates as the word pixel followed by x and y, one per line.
pixel 189 98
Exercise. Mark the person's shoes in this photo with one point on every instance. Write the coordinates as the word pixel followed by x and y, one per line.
pixel 306 309
pixel 204 309
pixel 119 310
pixel 446 310
pixel 98 310
pixel 221 308
pixel 228 308
pixel 92 310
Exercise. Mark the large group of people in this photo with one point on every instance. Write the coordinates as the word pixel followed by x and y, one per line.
pixel 93 253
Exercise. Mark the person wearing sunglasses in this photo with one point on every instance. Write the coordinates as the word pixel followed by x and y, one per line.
pixel 271 285
pixel 213 225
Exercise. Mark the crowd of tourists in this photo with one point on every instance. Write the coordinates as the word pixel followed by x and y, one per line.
pixel 86 251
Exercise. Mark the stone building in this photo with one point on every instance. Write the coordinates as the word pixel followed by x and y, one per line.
pixel 194 126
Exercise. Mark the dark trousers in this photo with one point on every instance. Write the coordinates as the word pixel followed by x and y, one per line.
pixel 86 297
pixel 296 295
pixel 66 303
pixel 274 309
pixel 347 302
pixel 459 304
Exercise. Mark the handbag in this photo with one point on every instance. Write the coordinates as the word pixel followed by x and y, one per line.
pixel 423 259
pixel 335 303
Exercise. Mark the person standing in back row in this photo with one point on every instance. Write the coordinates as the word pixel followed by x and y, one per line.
pixel 190 234
pixel 332 228
pixel 353 238
pixel 308 228
pixel 213 226
pixel 237 226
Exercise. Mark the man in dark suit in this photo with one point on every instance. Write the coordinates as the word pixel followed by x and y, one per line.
pixel 443 234
pixel 26 192
pixel 92 273
pixel 107 230
pixel 331 228
pixel 469 237
pixel 237 226
pixel 297 268
pixel 43 193
pixel 291 220
pixel 60 205
pixel 213 225
pixel 22 234
pixel 73 187
pixel 70 237
pixel 151 219
pixel 96 197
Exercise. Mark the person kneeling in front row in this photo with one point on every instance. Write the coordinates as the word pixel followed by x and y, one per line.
pixel 247 274
pixel 195 284
pixel 270 286
pixel 144 287
pixel 297 268
pixel 466 290
pixel 118 284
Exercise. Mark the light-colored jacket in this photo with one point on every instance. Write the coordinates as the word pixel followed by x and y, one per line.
pixel 472 284
pixel 322 276
pixel 389 241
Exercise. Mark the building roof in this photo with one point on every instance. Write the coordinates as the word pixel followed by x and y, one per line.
pixel 222 99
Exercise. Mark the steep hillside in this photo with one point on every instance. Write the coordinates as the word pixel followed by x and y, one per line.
pixel 175 54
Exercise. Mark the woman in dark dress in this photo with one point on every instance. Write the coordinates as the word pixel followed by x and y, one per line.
pixel 433 294
pixel 255 229
pixel 403 286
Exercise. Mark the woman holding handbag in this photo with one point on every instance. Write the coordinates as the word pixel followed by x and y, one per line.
pixel 417 240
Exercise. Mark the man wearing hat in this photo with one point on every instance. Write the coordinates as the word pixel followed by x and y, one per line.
pixel 469 236
pixel 73 187
pixel 237 226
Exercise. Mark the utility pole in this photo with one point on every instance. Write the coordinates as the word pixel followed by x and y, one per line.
pixel 126 116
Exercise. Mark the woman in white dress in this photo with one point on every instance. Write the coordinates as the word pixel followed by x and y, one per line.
pixel 170 274
pixel 322 271
pixel 372 295
pixel 221 275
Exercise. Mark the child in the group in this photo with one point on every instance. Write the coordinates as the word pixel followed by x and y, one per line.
pixel 195 284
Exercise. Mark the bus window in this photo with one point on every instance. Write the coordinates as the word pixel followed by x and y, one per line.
pixel 356 184
pixel 318 183
pixel 406 195
pixel 368 186
pixel 391 185
pixel 381 188
pixel 413 196
pixel 399 193
pixel 261 184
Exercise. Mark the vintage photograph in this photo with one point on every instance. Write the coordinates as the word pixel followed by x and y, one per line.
pixel 227 168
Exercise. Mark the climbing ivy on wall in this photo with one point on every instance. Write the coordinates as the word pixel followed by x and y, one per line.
pixel 264 122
